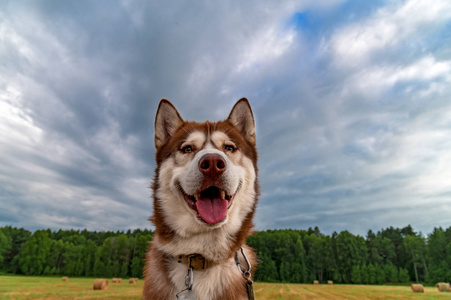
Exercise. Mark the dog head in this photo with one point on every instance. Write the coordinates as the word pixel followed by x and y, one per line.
pixel 206 175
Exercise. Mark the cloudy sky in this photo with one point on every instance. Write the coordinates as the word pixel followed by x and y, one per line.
pixel 352 102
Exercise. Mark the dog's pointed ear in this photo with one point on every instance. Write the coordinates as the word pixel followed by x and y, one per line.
pixel 167 121
pixel 242 118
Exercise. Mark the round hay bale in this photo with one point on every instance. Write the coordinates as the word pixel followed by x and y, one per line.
pixel 100 284
pixel 65 278
pixel 316 282
pixel 135 278
pixel 417 288
pixel 443 287
pixel 330 282
pixel 132 281
pixel 116 280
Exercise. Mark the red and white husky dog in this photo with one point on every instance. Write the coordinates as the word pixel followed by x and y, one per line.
pixel 205 192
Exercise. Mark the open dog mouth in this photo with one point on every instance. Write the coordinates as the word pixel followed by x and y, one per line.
pixel 210 204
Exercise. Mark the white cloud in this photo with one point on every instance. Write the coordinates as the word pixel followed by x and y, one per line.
pixel 353 44
pixel 426 68
pixel 265 47
pixel 16 124
pixel 380 77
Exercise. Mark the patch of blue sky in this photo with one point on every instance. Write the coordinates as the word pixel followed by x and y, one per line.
pixel 317 24
pixel 308 23
pixel 301 20
pixel 323 20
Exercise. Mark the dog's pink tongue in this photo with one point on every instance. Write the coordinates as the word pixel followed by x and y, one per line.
pixel 213 210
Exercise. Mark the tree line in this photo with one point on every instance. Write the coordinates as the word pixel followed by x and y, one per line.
pixel 73 252
pixel 392 255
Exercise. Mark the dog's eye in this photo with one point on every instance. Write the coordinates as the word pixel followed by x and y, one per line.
pixel 229 148
pixel 187 149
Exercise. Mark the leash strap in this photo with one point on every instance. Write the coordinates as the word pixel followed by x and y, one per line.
pixel 250 290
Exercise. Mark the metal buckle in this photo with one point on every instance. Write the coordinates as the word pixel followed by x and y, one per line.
pixel 246 273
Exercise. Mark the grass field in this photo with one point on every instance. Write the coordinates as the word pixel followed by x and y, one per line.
pixel 32 287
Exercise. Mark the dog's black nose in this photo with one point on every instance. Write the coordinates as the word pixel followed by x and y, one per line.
pixel 212 165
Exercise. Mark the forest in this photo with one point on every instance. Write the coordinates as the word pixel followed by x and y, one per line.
pixel 392 255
